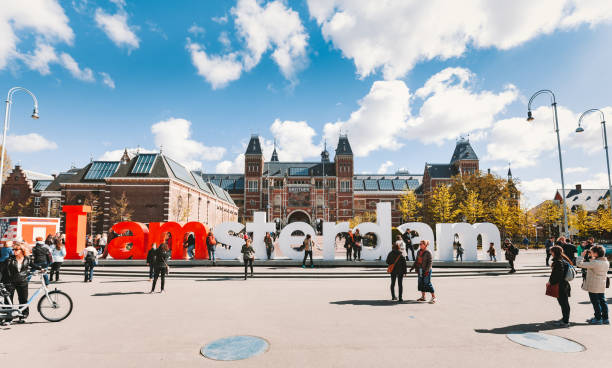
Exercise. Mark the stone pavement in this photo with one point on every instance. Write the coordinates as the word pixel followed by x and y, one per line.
pixel 309 322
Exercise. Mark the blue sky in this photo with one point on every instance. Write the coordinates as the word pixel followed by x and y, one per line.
pixel 404 81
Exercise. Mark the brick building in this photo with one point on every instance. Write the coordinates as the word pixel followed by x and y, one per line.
pixel 328 190
pixel 22 186
pixel 155 187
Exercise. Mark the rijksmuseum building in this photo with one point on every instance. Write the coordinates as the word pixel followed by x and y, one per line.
pixel 328 190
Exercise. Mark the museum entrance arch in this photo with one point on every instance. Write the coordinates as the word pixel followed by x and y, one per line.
pixel 298 216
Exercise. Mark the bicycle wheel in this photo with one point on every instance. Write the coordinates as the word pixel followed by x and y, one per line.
pixel 56 307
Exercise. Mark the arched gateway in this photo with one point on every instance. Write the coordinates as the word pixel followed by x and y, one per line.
pixel 298 216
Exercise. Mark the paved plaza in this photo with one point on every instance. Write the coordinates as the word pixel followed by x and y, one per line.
pixel 321 322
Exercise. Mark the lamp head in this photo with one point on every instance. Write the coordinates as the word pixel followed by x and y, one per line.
pixel 35 114
pixel 529 116
pixel 579 129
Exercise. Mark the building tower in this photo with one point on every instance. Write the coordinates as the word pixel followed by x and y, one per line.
pixel 514 195
pixel 464 160
pixel 274 157
pixel 253 172
pixel 344 175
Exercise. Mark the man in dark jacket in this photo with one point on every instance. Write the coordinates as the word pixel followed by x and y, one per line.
pixel 569 249
pixel 407 239
pixel 151 261
pixel 511 252
pixel 398 261
pixel 41 257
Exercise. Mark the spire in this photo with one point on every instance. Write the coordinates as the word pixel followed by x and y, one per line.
pixel 344 147
pixel 274 154
pixel 126 157
pixel 463 151
pixel 254 147
pixel 325 154
pixel 509 172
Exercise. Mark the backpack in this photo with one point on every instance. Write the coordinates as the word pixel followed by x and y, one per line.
pixel 570 273
pixel 515 251
pixel 212 241
pixel 90 257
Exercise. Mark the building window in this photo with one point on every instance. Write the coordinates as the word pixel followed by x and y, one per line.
pixel 345 186
pixel 252 202
pixel 15 192
pixel 37 201
pixel 37 212
pixel 360 205
pixel 253 187
pixel 345 203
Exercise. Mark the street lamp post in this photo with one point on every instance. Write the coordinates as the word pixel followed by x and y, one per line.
pixel 556 122
pixel 580 129
pixel 9 101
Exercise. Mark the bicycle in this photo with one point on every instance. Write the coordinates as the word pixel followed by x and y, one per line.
pixel 54 305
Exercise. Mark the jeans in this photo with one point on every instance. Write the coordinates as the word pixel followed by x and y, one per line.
pixel 22 294
pixel 600 305
pixel 151 271
pixel 400 287
pixel 411 249
pixel 191 251
pixel 459 256
pixel 211 255
pixel 424 282
pixel 159 271
pixel 89 268
pixel 492 258
pixel 41 266
pixel 307 253
pixel 248 262
pixel 565 306
pixel 55 268
pixel 357 253
pixel 349 254
pixel 511 265
pixel 269 252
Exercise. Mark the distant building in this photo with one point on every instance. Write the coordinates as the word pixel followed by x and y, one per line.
pixel 589 199
pixel 21 186
pixel 328 190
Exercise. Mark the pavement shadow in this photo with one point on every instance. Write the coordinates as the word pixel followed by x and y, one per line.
pixel 527 327
pixel 373 303
pixel 221 279
pixel 113 293
pixel 115 281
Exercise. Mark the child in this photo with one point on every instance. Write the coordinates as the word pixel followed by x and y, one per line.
pixel 491 252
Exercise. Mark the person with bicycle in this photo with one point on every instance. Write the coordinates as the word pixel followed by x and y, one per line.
pixel 15 276
pixel 41 256
pixel 161 266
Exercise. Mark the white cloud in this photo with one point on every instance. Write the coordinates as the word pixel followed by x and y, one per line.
pixel 597 181
pixel 217 70
pixel 116 27
pixel 224 40
pixel 106 79
pixel 174 135
pixel 31 142
pixel 220 20
pixel 196 30
pixel 45 19
pixel 294 141
pixel 451 107
pixel 72 66
pixel 115 155
pixel 576 170
pixel 384 167
pixel 231 167
pixel 272 27
pixel 41 58
pixel 395 35
pixel 536 191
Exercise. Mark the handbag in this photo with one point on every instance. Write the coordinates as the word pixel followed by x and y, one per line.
pixel 552 290
pixel 392 266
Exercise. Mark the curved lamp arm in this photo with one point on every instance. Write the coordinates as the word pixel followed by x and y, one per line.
pixel 11 92
pixel 603 117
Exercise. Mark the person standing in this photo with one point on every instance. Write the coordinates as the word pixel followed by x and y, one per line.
pixel 348 244
pixel 102 242
pixel 459 252
pixel 57 253
pixel 358 243
pixel 269 245
pixel 248 255
pixel 90 259
pixel 423 267
pixel 41 257
pixel 162 254
pixel 191 245
pixel 549 243
pixel 491 252
pixel 510 252
pixel 569 249
pixel 397 259
pixel 211 245
pixel 308 246
pixel 15 276
pixel 6 251
pixel 595 282
pixel 560 264
pixel 151 260
pixel 407 238
pixel 525 242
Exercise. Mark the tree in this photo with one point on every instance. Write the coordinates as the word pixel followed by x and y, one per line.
pixel 472 208
pixel 410 207
pixel 93 201
pixel 488 187
pixel 581 221
pixel 364 217
pixel 119 210
pixel 506 217
pixel 548 214
pixel 527 224
pixel 442 205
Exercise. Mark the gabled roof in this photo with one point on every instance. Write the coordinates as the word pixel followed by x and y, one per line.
pixel 254 147
pixel 282 169
pixel 63 177
pixel 588 199
pixel 439 171
pixel 463 151
pixel 344 147
pixel 33 175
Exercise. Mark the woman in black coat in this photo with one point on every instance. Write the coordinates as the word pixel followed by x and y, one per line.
pixel 161 266
pixel 559 267
pixel 397 259
pixel 15 277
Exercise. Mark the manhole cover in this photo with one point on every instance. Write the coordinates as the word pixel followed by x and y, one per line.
pixel 235 348
pixel 546 342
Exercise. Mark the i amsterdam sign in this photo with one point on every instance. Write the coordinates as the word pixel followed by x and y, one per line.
pixel 142 237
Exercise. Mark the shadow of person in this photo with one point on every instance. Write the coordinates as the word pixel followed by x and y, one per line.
pixel 527 327
pixel 113 293
pixel 373 303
